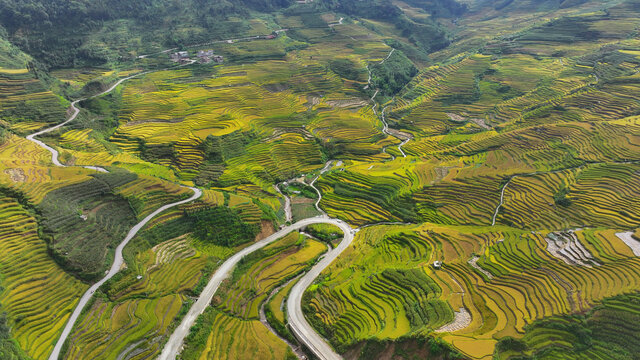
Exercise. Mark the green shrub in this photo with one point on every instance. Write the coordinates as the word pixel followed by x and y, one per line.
pixel 222 226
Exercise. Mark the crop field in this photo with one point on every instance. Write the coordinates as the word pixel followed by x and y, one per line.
pixel 593 197
pixel 237 305
pixel 141 305
pixel 515 279
pixel 261 121
pixel 166 267
pixel 488 162
pixel 109 330
pixel 236 338
pixel 595 335
pixel 37 294
pixel 25 98
pixel 88 218
pixel 250 289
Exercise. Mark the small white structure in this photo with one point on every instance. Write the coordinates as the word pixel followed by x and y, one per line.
pixel 180 56
pixel 206 56
pixel 139 277
pixel 437 265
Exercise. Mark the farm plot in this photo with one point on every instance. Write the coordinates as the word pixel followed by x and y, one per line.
pixel 36 294
pixel 87 219
pixel 236 306
pixel 601 195
pixel 26 98
pixel 142 304
pixel 258 274
pixel 515 280
pixel 236 338
pixel 254 123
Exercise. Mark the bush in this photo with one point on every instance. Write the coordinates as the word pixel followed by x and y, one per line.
pixel 510 344
pixel 391 76
pixel 222 226
pixel 560 197
pixel 345 68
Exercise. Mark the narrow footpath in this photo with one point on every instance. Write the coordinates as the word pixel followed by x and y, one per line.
pixel 400 135
pixel 297 322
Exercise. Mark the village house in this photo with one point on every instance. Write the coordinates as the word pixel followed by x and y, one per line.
pixel 180 56
pixel 207 56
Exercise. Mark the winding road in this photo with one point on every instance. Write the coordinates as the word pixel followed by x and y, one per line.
pixel 115 267
pixel 76 111
pixel 326 168
pixel 298 323
pixel 118 258
pixel 402 136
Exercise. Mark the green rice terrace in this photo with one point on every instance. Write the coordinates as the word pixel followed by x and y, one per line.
pixel 319 179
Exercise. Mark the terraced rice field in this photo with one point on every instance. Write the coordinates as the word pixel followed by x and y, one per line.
pixel 37 294
pixel 235 338
pixel 259 121
pixel 26 98
pixel 251 288
pixel 527 281
pixel 522 171
pixel 232 328
pixel 141 306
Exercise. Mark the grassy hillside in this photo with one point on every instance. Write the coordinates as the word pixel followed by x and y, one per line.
pixel 501 138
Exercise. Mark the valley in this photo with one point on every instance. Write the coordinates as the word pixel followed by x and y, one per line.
pixel 392 180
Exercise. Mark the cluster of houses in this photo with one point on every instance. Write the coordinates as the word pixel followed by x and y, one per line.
pixel 203 57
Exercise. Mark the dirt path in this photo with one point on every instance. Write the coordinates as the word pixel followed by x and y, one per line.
pixel 462 317
pixel 288 215
pixel 400 135
pixel 263 319
pixel 326 168
pixel 495 214
pixel 474 263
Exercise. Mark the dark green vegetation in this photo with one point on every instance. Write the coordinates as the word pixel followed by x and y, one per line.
pixel 346 69
pixel 330 234
pixel 391 76
pixel 608 331
pixel 198 334
pixel 223 226
pixel 9 349
pixel 62 34
pixel 86 221
pixel 423 33
pixel 404 348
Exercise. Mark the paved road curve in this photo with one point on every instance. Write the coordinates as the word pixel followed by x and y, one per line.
pixel 118 260
pixel 311 339
pixel 301 328
pixel 117 264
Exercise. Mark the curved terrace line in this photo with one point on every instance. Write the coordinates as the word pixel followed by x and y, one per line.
pixel 299 325
pixel 118 258
pixel 403 137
